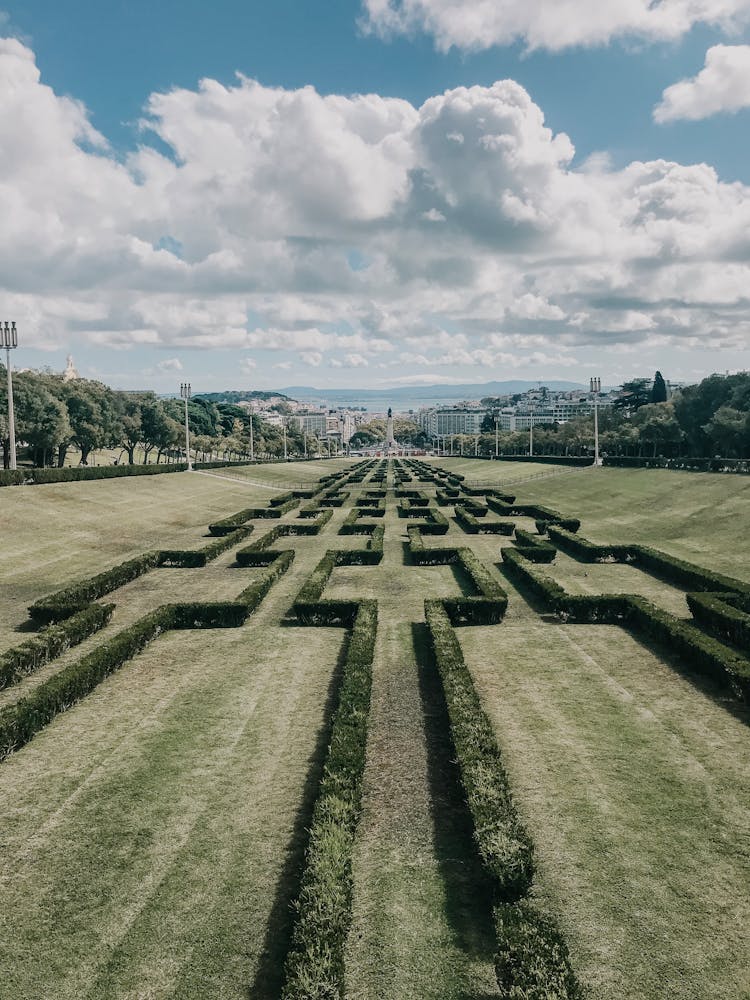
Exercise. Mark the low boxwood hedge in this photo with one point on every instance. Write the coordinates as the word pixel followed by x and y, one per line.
pixel 51 642
pixel 715 613
pixel 81 473
pixel 703 653
pixel 195 558
pixel 472 526
pixel 21 721
pixel 69 601
pixel 532 960
pixel 315 963
pixel 502 840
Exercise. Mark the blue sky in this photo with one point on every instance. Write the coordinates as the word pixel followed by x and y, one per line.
pixel 526 260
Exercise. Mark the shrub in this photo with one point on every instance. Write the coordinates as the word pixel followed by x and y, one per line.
pixel 472 526
pixel 38 477
pixel 193 558
pixel 586 551
pixel 532 960
pixel 52 642
pixel 19 722
pixel 315 963
pixel 64 603
pixel 713 612
pixel 501 839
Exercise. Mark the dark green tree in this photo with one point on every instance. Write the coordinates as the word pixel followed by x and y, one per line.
pixel 659 389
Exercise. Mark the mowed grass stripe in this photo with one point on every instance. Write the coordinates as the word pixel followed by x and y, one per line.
pixel 55 535
pixel 421 927
pixel 698 516
pixel 145 830
pixel 636 788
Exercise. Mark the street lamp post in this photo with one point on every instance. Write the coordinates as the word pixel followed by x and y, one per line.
pixel 497 441
pixel 186 393
pixel 596 388
pixel 252 440
pixel 531 433
pixel 284 425
pixel 9 340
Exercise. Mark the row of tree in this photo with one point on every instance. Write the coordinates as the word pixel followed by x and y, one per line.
pixel 705 420
pixel 53 416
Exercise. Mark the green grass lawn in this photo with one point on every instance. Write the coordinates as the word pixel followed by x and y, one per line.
pixel 151 836
pixel 636 788
pixel 56 534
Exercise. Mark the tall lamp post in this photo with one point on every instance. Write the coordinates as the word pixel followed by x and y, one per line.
pixel 531 433
pixel 9 340
pixel 284 426
pixel 252 439
pixel 497 440
pixel 186 393
pixel 596 388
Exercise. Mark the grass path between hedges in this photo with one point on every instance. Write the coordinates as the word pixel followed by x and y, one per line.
pixel 54 535
pixel 151 835
pixel 636 788
pixel 420 931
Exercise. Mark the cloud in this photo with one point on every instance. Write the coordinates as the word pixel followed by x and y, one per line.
pixel 480 24
pixel 723 85
pixel 355 361
pixel 492 250
pixel 170 365
pixel 248 366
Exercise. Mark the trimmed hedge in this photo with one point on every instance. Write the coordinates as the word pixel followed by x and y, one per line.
pixel 69 601
pixel 21 721
pixel 704 654
pixel 71 474
pixel 586 551
pixel 52 642
pixel 661 564
pixel 532 548
pixel 714 613
pixel 315 963
pixel 472 526
pixel 502 841
pixel 195 558
pixel 532 960
pixel 737 465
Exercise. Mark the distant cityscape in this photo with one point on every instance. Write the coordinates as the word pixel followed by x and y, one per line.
pixel 511 412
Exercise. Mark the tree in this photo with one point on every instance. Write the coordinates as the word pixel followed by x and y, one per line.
pixel 657 425
pixel 659 389
pixel 729 432
pixel 158 429
pixel 633 395
pixel 41 419
pixel 93 417
pixel 130 421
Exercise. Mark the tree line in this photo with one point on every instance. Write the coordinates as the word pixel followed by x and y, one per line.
pixel 53 417
pixel 706 420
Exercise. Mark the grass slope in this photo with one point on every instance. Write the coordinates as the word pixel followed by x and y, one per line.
pixel 152 833
pixel 636 789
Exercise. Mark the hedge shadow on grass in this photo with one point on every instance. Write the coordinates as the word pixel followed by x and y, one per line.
pixel 269 975
pixel 468 895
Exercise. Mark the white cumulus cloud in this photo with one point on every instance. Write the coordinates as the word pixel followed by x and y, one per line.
pixel 723 85
pixel 482 254
pixel 547 24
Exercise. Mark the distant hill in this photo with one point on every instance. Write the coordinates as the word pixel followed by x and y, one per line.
pixel 419 395
pixel 240 395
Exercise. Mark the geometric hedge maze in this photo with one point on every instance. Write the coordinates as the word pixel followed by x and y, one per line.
pixel 531 957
